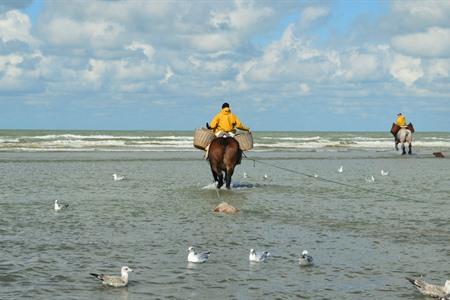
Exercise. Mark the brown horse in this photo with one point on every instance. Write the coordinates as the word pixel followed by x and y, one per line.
pixel 224 154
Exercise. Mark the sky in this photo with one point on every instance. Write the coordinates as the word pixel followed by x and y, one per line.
pixel 169 65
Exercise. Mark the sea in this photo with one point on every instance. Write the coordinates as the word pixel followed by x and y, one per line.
pixel 366 231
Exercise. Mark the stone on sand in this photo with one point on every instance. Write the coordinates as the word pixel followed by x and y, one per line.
pixel 226 208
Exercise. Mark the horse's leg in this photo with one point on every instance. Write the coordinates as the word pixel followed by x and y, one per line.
pixel 220 180
pixel 229 173
pixel 410 148
pixel 403 149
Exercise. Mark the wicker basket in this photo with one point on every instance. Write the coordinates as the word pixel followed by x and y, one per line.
pixel 202 138
pixel 245 141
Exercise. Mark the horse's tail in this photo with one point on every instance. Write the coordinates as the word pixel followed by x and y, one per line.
pixel 224 141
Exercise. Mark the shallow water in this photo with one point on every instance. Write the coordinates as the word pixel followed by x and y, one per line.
pixel 364 237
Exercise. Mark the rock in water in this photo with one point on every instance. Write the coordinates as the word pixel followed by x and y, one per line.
pixel 226 208
pixel 438 154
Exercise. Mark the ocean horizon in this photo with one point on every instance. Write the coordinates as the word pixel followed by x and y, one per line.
pixel 182 140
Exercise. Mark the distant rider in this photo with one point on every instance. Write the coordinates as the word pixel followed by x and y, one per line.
pixel 401 122
pixel 225 123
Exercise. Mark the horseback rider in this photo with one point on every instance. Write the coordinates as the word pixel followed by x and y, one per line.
pixel 225 123
pixel 400 122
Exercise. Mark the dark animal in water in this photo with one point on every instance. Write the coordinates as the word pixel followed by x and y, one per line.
pixel 224 154
pixel 438 154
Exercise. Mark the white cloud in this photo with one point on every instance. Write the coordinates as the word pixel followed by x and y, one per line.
pixel 304 88
pixel 435 42
pixel 169 73
pixel 312 14
pixel 359 66
pixel 213 42
pixel 406 69
pixel 438 69
pixel 15 25
pixel 98 34
pixel 419 14
pixel 245 15
pixel 147 49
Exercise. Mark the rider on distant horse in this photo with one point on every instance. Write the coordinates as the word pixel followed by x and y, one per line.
pixel 225 123
pixel 401 122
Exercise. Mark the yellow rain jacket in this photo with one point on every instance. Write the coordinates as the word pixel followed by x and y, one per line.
pixel 401 121
pixel 227 122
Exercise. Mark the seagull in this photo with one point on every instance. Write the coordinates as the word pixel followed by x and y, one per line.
pixel 370 179
pixel 341 169
pixel 117 177
pixel 384 173
pixel 197 257
pixel 115 281
pixel 315 175
pixel 305 259
pixel 60 206
pixel 265 177
pixel 258 256
pixel 427 289
pixel 245 175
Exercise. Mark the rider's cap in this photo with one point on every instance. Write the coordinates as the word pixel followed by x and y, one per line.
pixel 399 114
pixel 225 105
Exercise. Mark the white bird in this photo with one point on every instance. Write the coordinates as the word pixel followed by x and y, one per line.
pixel 115 281
pixel 370 179
pixel 305 259
pixel 265 177
pixel 427 289
pixel 245 175
pixel 315 175
pixel 197 257
pixel 60 206
pixel 258 256
pixel 341 169
pixel 384 173
pixel 118 177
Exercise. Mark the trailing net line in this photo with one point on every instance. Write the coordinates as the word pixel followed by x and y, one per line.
pixel 328 180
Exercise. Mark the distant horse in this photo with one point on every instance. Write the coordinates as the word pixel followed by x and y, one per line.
pixel 404 135
pixel 224 154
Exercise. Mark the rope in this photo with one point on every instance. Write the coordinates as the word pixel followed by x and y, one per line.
pixel 327 180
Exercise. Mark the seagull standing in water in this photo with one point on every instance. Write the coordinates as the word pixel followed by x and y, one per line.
pixel 384 173
pixel 341 169
pixel 258 256
pixel 370 179
pixel 117 177
pixel 60 206
pixel 197 257
pixel 115 281
pixel 305 259
pixel 432 290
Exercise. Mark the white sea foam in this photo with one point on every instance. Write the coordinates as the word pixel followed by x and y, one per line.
pixel 157 141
